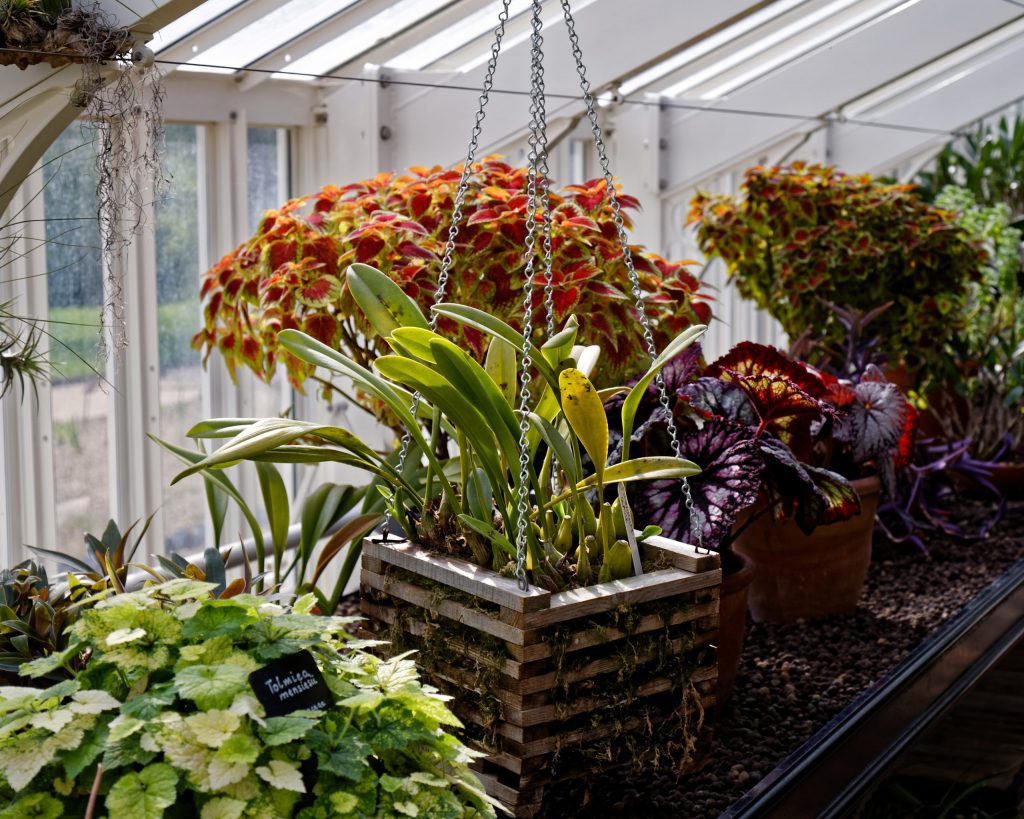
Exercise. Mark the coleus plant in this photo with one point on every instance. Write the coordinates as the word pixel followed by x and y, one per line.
pixel 162 721
pixel 771 433
pixel 805 237
pixel 289 275
pixel 470 504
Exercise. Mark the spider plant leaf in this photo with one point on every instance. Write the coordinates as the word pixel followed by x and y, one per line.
pixel 632 401
pixel 585 414
pixel 382 301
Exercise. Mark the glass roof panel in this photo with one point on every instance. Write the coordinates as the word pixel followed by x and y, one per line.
pixel 432 49
pixel 270 32
pixel 191 22
pixel 784 45
pixel 363 37
pixel 708 44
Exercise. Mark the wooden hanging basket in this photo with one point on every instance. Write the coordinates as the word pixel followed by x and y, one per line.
pixel 555 685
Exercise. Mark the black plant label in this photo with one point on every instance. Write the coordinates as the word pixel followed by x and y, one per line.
pixel 292 683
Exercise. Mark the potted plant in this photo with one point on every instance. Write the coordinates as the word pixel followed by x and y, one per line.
pixel 182 704
pixel 585 646
pixel 806 237
pixel 290 274
pixel 984 395
pixel 789 457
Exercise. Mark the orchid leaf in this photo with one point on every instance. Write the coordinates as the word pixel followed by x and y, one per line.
pixel 383 302
pixel 633 398
pixel 585 414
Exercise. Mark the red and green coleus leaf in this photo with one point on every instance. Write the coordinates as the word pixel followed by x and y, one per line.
pixel 319 290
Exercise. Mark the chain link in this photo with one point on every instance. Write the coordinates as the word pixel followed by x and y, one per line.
pixel 537 145
pixel 627 257
pixel 453 228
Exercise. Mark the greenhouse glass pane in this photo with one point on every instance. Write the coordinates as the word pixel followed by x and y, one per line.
pixel 268 171
pixel 190 23
pixel 454 37
pixel 270 32
pixel 374 31
pixel 178 318
pixel 80 402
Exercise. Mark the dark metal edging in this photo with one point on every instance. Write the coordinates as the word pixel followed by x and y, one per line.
pixel 831 771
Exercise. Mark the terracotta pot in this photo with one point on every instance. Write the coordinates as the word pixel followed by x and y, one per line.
pixel 1008 478
pixel 737 572
pixel 799 576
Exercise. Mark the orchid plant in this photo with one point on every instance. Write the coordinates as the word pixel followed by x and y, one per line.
pixel 470 502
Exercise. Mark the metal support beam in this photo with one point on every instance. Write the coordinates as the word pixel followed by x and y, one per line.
pixel 359 116
pixel 641 153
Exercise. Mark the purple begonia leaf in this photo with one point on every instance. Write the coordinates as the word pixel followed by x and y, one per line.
pixel 873 423
pixel 711 398
pixel 729 481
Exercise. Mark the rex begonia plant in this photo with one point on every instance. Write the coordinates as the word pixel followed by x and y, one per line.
pixel 163 720
pixel 477 503
pixel 290 274
pixel 771 433
pixel 804 237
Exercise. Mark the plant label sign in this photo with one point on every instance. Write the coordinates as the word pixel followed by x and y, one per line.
pixel 292 683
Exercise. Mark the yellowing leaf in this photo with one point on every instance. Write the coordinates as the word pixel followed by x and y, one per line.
pixel 92 702
pixel 222 808
pixel 585 414
pixel 280 774
pixel 124 635
pixel 213 727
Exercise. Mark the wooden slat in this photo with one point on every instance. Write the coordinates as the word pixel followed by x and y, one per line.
pixel 589 600
pixel 679 554
pixel 704 613
pixel 446 608
pixel 418 628
pixel 459 574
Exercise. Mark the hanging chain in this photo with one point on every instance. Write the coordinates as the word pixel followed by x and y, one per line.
pixel 537 146
pixel 453 228
pixel 627 257
pixel 540 105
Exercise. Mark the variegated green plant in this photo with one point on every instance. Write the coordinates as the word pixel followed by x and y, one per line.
pixel 465 501
pixel 162 720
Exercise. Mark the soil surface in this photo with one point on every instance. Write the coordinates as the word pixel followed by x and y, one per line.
pixel 794 678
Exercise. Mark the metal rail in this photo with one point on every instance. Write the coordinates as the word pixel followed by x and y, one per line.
pixel 834 770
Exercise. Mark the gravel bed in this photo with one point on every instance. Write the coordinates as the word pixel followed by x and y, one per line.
pixel 794 678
